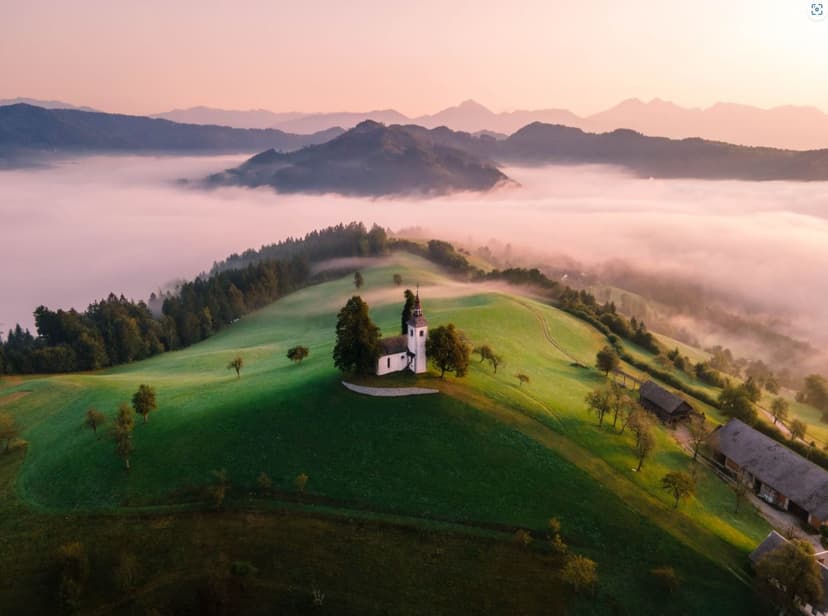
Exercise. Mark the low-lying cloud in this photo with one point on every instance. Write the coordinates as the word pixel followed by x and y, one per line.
pixel 74 232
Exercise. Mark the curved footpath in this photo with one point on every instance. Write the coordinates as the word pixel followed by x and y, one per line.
pixel 389 392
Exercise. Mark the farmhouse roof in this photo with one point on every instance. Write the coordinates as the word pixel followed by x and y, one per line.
pixel 771 542
pixel 663 399
pixel 394 345
pixel 772 463
pixel 775 540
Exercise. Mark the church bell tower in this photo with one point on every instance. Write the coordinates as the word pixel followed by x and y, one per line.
pixel 417 336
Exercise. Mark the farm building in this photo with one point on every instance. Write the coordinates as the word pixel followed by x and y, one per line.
pixel 408 350
pixel 777 474
pixel 773 541
pixel 668 406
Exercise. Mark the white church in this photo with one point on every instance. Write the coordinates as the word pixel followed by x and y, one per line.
pixel 408 350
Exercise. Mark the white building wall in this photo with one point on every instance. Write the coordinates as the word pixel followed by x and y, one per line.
pixel 392 363
pixel 417 337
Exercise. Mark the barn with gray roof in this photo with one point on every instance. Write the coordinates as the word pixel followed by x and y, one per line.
pixel 669 407
pixel 777 474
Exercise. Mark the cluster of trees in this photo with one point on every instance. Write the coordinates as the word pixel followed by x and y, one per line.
pixel 626 414
pixel 116 330
pixel 143 403
pixel 790 577
pixel 358 348
pixel 342 240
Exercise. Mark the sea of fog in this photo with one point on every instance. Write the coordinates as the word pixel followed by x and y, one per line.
pixel 77 230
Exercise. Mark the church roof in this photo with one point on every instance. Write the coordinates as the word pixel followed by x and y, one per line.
pixel 394 345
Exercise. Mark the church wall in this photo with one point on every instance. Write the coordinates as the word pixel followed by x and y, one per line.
pixel 387 364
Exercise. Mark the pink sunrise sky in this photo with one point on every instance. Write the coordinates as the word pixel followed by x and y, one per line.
pixel 315 55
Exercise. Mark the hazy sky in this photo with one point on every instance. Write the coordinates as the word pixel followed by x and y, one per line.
pixel 316 55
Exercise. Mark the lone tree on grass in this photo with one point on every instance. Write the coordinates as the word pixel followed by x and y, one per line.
pixel 448 351
pixel 358 280
pixel 8 431
pixel 607 360
pixel 698 433
pixel 237 364
pixel 407 311
pixel 798 429
pixel 357 345
pixel 599 402
pixel 485 352
pixel 94 419
pixel 122 432
pixel 398 279
pixel 522 378
pixel 779 410
pixel 298 353
pixel 143 401
pixel 645 444
pixel 580 573
pixel 790 574
pixel 680 485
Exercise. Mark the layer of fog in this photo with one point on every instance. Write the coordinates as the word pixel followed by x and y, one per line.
pixel 74 232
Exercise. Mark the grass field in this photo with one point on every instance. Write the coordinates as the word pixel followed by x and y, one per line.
pixel 486 451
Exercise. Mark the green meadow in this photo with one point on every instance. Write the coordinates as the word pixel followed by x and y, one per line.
pixel 485 454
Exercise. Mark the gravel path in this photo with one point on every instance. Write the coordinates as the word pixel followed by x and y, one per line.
pixel 389 392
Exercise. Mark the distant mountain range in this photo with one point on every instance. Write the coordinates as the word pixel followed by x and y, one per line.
pixel 374 159
pixel 369 160
pixel 28 127
pixel 42 103
pixel 797 128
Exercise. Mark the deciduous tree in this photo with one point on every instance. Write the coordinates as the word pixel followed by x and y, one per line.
pixel 447 350
pixel 580 573
pixel 779 410
pixel 523 378
pixel 358 280
pixel 607 360
pixel 236 364
pixel 598 402
pixel 798 429
pixel 398 279
pixel 791 574
pixel 94 419
pixel 697 428
pixel 143 401
pixel 357 345
pixel 298 353
pixel 645 445
pixel 122 432
pixel 680 485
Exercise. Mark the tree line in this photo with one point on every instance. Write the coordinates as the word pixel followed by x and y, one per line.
pixel 116 330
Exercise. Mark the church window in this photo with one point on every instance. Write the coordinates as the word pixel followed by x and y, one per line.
pixel 421 333
pixel 389 362
pixel 410 332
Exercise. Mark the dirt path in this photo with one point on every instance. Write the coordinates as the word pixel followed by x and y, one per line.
pixel 546 333
pixel 389 392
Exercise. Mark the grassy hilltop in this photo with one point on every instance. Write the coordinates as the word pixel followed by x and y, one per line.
pixel 476 461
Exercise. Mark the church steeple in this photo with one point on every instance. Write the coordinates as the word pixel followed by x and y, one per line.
pixel 417 319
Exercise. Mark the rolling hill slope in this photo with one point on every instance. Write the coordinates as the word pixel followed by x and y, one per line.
pixel 486 451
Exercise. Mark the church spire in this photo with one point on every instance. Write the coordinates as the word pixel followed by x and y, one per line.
pixel 418 309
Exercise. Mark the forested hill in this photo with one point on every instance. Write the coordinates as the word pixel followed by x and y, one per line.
pixel 117 330
pixel 371 160
pixel 28 127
